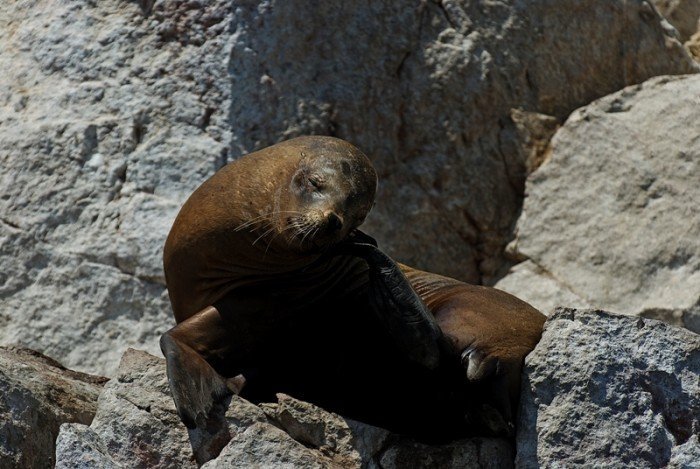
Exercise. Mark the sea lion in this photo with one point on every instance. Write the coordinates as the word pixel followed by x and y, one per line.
pixel 270 279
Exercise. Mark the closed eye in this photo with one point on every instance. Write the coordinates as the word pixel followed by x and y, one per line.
pixel 315 182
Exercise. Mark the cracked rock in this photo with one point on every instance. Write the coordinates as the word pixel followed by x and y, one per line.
pixel 428 96
pixel 684 15
pixel 602 389
pixel 113 112
pixel 37 395
pixel 136 425
pixel 101 140
pixel 611 220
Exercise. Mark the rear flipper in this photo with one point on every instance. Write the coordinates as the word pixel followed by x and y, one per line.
pixel 406 318
pixel 198 390
pixel 494 392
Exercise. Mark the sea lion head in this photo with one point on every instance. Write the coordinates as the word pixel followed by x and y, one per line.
pixel 329 193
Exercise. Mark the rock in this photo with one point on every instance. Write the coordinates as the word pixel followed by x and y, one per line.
pixel 79 447
pixel 611 218
pixel 263 445
pixel 113 112
pixel 535 286
pixel 609 390
pixel 37 395
pixel 682 14
pixel 111 116
pixel 479 453
pixel 136 425
pixel 693 46
pixel 428 96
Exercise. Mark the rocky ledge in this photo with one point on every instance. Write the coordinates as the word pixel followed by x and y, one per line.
pixel 136 425
pixel 599 389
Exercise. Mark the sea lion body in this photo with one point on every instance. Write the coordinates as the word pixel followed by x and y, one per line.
pixel 264 281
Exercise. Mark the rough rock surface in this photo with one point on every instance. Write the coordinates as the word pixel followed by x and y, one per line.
pixel 113 112
pixel 693 45
pixel 136 426
pixel 428 95
pixel 612 219
pixel 109 118
pixel 684 15
pixel 37 395
pixel 604 390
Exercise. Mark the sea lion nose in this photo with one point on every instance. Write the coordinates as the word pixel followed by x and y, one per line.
pixel 335 222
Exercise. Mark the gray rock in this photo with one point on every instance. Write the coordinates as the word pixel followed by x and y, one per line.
pixel 136 418
pixel 79 447
pixel 612 217
pixel 37 395
pixel 136 425
pixel 428 96
pixel 536 286
pixel 111 118
pixel 610 390
pixel 113 112
pixel 477 453
pixel 263 445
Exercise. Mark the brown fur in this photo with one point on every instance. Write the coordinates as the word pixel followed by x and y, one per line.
pixel 252 296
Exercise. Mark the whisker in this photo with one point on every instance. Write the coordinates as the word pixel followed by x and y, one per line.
pixel 263 235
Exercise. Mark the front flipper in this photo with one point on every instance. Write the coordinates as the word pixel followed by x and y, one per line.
pixel 399 308
pixel 198 390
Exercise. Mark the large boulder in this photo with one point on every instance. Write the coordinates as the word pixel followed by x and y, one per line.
pixel 113 112
pixel 611 220
pixel 426 89
pixel 606 390
pixel 37 395
pixel 111 116
pixel 136 425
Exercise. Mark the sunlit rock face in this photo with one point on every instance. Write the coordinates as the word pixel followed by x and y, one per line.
pixel 114 112
pixel 611 219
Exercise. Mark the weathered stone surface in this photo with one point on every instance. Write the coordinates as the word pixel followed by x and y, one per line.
pixel 136 426
pixel 109 119
pixel 113 112
pixel 610 390
pixel 136 418
pixel 693 46
pixel 682 14
pixel 263 445
pixel 428 95
pixel 37 395
pixel 79 447
pixel 612 218
pixel 534 285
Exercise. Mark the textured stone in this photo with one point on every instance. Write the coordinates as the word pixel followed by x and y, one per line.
pixel 478 453
pixel 113 112
pixel 110 118
pixel 79 447
pixel 682 14
pixel 263 445
pixel 428 96
pixel 693 46
pixel 534 285
pixel 612 217
pixel 37 395
pixel 136 418
pixel 610 390
pixel 136 425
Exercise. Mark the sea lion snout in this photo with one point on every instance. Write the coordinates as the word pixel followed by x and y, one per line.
pixel 334 222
